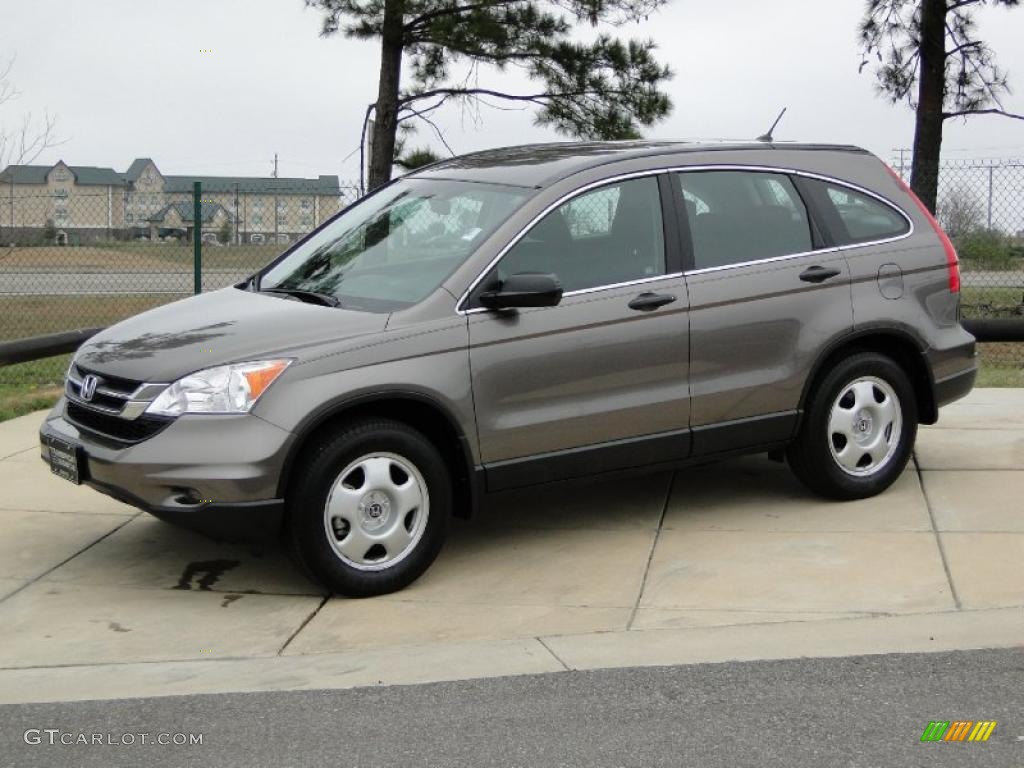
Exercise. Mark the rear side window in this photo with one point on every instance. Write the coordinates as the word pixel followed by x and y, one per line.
pixel 741 216
pixel 854 217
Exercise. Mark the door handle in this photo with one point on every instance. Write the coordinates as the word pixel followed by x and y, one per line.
pixel 647 302
pixel 818 274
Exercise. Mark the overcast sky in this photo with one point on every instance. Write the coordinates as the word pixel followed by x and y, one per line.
pixel 131 78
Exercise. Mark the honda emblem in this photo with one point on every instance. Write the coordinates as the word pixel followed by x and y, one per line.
pixel 88 387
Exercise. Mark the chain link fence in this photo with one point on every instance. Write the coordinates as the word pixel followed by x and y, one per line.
pixel 981 207
pixel 87 257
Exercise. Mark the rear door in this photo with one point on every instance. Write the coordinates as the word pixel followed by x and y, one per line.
pixel 767 294
pixel 598 382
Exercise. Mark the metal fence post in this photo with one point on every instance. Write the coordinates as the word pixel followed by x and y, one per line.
pixel 991 171
pixel 197 236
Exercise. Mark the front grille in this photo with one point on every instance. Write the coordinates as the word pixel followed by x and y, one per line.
pixel 115 384
pixel 114 427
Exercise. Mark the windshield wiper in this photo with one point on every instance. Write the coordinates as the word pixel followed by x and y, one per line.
pixel 312 297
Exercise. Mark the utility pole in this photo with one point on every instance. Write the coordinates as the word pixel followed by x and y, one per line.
pixel 902 166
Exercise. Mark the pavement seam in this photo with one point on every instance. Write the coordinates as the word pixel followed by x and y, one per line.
pixel 650 555
pixel 302 626
pixel 19 452
pixel 68 559
pixel 938 539
pixel 556 657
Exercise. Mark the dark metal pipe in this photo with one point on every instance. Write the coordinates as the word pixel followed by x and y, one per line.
pixel 995 330
pixel 38 347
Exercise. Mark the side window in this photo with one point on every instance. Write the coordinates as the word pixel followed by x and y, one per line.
pixel 740 216
pixel 855 217
pixel 608 235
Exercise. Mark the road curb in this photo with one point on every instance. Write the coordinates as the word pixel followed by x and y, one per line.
pixel 932 632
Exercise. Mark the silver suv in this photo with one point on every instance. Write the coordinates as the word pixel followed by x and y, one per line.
pixel 523 316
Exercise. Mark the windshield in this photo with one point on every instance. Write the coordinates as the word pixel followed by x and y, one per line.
pixel 398 246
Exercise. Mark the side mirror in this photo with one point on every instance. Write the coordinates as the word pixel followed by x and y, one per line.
pixel 525 289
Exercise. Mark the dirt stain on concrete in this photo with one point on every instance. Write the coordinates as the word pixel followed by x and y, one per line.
pixel 212 570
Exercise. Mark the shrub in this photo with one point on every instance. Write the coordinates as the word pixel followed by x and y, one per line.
pixel 987 249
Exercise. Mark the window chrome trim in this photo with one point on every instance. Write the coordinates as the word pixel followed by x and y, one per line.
pixel 810 175
pixel 684 169
pixel 522 233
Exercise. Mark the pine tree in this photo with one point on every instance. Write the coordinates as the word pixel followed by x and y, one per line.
pixel 927 53
pixel 604 89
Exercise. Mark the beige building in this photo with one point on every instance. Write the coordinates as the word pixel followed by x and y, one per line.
pixel 70 204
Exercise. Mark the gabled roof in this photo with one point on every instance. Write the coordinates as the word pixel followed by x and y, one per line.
pixel 85 175
pixel 185 210
pixel 324 185
pixel 136 168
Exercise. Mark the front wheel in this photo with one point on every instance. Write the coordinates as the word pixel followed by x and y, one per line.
pixel 369 508
pixel 859 429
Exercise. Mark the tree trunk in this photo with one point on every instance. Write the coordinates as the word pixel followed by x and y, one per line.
pixel 931 97
pixel 386 117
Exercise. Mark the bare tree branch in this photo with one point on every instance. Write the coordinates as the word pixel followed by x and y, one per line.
pixel 968 112
pixel 24 144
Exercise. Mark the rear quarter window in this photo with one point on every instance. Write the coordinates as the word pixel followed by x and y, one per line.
pixel 856 217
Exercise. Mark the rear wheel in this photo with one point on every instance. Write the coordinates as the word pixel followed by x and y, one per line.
pixel 369 509
pixel 859 429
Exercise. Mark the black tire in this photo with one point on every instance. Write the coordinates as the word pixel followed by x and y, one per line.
pixel 810 456
pixel 306 530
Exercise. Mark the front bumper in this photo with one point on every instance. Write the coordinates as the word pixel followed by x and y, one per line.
pixel 218 475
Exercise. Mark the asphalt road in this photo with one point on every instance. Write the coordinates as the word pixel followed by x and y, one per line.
pixel 861 711
pixel 76 283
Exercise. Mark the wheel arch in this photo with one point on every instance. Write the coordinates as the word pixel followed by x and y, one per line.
pixel 899 345
pixel 415 409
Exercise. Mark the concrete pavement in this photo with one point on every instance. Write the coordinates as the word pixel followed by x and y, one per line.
pixel 725 562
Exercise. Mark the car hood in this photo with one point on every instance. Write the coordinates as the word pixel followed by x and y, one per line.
pixel 224 326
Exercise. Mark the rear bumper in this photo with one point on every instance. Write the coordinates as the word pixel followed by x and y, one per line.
pixel 953 363
pixel 954 387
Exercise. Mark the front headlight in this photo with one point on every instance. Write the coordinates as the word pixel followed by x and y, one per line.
pixel 231 388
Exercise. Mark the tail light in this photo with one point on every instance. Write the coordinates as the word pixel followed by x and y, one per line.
pixel 952 262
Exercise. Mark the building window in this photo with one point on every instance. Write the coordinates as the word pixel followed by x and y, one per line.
pixel 306 205
pixel 282 205
pixel 128 218
pixel 61 174
pixel 257 220
pixel 60 193
pixel 307 221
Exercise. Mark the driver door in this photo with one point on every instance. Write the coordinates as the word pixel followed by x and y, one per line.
pixel 598 382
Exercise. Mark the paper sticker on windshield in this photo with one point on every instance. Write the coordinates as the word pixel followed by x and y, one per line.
pixel 471 234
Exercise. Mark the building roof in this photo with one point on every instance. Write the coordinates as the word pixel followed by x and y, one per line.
pixel 324 185
pixel 185 211
pixel 534 165
pixel 85 175
pixel 90 176
pixel 136 168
